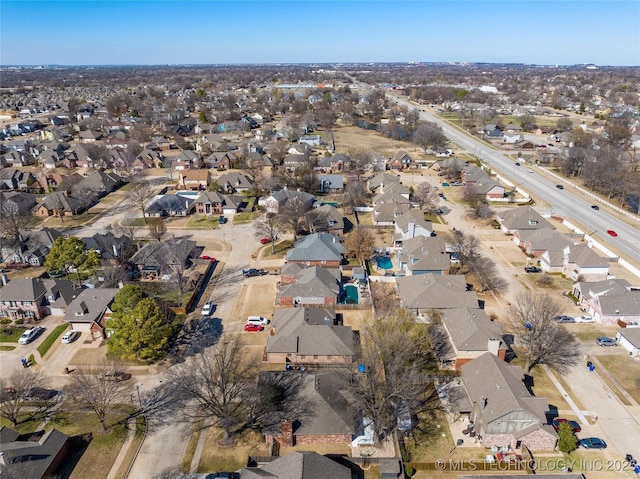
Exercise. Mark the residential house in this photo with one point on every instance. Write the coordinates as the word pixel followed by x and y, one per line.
pixel 337 162
pixel 31 247
pixel 581 263
pixel 278 199
pixel 33 456
pixel 16 157
pixel 90 311
pixel 469 334
pixel 154 260
pixel 410 225
pixel 159 144
pixel 327 219
pixel 330 183
pixel 99 183
pixel 194 179
pixel 503 411
pixel 401 160
pixel 629 338
pixel 492 132
pixel 257 160
pixel 212 203
pixel 392 193
pixel 298 465
pixel 524 145
pixel 318 249
pixel 221 160
pixel 451 167
pixel 294 162
pixel 17 203
pixel 15 180
pixel 234 182
pixel 522 218
pixel 58 204
pixel 386 214
pixel 377 184
pixel 311 140
pixel 169 205
pixel 482 182
pixel 88 136
pixel 312 286
pixel 148 158
pixel 612 301
pixel 535 242
pixel 308 336
pixel 425 293
pixel 187 160
pixel 111 248
pixel 424 255
pixel 327 418
pixel 35 298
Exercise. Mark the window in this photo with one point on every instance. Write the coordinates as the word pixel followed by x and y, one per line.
pixel 302 356
pixel 315 356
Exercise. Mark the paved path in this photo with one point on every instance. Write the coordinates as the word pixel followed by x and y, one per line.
pixel 131 426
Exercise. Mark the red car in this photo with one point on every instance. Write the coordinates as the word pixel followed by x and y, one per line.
pixel 265 240
pixel 208 258
pixel 253 328
pixel 612 233
pixel 575 427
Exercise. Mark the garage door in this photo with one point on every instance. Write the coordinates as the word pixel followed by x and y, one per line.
pixel 82 327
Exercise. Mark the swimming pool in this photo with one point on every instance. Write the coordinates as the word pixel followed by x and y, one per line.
pixel 384 262
pixel 351 293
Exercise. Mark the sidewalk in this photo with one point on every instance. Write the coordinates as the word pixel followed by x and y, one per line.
pixel 131 427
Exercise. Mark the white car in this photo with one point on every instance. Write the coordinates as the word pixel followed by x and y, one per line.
pixel 69 336
pixel 29 335
pixel 257 320
pixel 207 309
pixel 584 319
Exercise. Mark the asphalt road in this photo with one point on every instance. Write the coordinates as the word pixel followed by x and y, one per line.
pixel 543 185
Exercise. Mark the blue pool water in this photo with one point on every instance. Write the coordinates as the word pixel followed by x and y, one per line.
pixel 351 292
pixel 384 262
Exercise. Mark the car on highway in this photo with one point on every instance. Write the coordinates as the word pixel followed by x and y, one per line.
pixel 207 309
pixel 30 334
pixel 70 336
pixel 532 269
pixel 517 164
pixel 563 318
pixel 529 170
pixel 265 240
pixel 595 207
pixel 560 187
pixel 612 233
pixel 249 273
pixel 585 318
pixel 604 341
pixel 593 443
pixel 575 427
pixel 250 328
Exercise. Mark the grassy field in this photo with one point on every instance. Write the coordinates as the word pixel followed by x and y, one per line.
pixel 52 338
pixel 216 458
pixel 202 222
pixel 11 335
pixel 625 370
pixel 589 332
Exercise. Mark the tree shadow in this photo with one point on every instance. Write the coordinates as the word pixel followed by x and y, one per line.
pixel 77 447
pixel 195 337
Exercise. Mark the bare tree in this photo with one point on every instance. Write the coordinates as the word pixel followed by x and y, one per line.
pixel 13 221
pixel 15 391
pixel 140 193
pixel 271 226
pixel 157 228
pixel 486 272
pixel 217 384
pixel 127 227
pixel 355 194
pixel 385 298
pixel 178 261
pixel 360 244
pixel 102 388
pixel 429 135
pixel 360 160
pixel 395 358
pixel 293 212
pixel 427 197
pixel 476 201
pixel 466 248
pixel 544 341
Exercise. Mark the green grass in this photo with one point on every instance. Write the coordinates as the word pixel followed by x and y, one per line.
pixel 7 348
pixel 280 248
pixel 26 427
pixel 243 218
pixel 203 221
pixel 32 360
pixel 52 338
pixel 11 335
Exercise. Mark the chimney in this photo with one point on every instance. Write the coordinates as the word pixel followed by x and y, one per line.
pixel 4 279
pixel 493 345
pixel 286 433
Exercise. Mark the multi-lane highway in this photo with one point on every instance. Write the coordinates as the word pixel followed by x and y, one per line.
pixel 564 202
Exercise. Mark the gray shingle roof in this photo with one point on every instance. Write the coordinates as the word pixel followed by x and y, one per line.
pixel 470 329
pixel 298 465
pixel 89 305
pixel 523 218
pixel 317 247
pixel 434 291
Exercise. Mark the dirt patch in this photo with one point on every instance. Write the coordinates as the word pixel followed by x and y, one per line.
pixel 353 137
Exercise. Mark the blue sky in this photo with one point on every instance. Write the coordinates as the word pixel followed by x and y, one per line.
pixel 203 32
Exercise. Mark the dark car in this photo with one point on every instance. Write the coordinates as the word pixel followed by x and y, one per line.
pixel 593 443
pixel 222 220
pixel 604 341
pixel 517 164
pixel 41 394
pixel 563 318
pixel 248 273
pixel 560 187
pixel 532 269
pixel 575 427
pixel 595 207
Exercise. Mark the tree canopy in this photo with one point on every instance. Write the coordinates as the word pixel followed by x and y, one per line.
pixel 69 255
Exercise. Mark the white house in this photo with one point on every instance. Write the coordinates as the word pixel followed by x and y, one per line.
pixel 629 338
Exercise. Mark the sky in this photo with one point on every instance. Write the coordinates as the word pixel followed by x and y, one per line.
pixel 121 32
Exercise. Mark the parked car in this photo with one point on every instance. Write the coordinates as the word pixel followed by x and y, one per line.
pixel 208 258
pixel 207 309
pixel 584 319
pixel 517 164
pixel 30 334
pixel 560 187
pixel 253 327
pixel 604 341
pixel 575 427
pixel 222 220
pixel 593 443
pixel 595 207
pixel 612 233
pixel 116 376
pixel 261 320
pixel 565 319
pixel 265 240
pixel 532 269
pixel 70 336
pixel 41 394
pixel 248 273
pixel 446 184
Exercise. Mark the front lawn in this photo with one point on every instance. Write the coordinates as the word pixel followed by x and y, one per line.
pixel 280 248
pixel 202 222
pixel 52 338
pixel 216 458
pixel 244 218
pixel 11 335
pixel 625 370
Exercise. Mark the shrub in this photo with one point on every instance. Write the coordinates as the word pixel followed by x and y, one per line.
pixel 567 440
pixel 545 281
pixel 19 321
pixel 5 321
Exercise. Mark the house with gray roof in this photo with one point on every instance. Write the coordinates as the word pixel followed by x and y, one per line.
pixel 610 301
pixel 504 413
pixel 337 162
pixel 521 218
pixel 90 310
pixel 170 205
pixel 17 202
pixel 427 292
pixel 276 201
pixel 31 247
pixel 32 456
pixel 326 219
pixel 58 204
pixel 111 248
pixel 35 298
pixel 154 260
pixel 386 214
pixel 312 286
pixel 234 182
pixel 99 183
pixel 330 183
pixel 377 183
pixel 213 203
pixel 410 225
pixel 535 242
pixel 308 336
pixel 629 338
pixel 298 465
pixel 424 255
pixel 581 263
pixel 318 249
pixel 324 414
pixel 469 333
